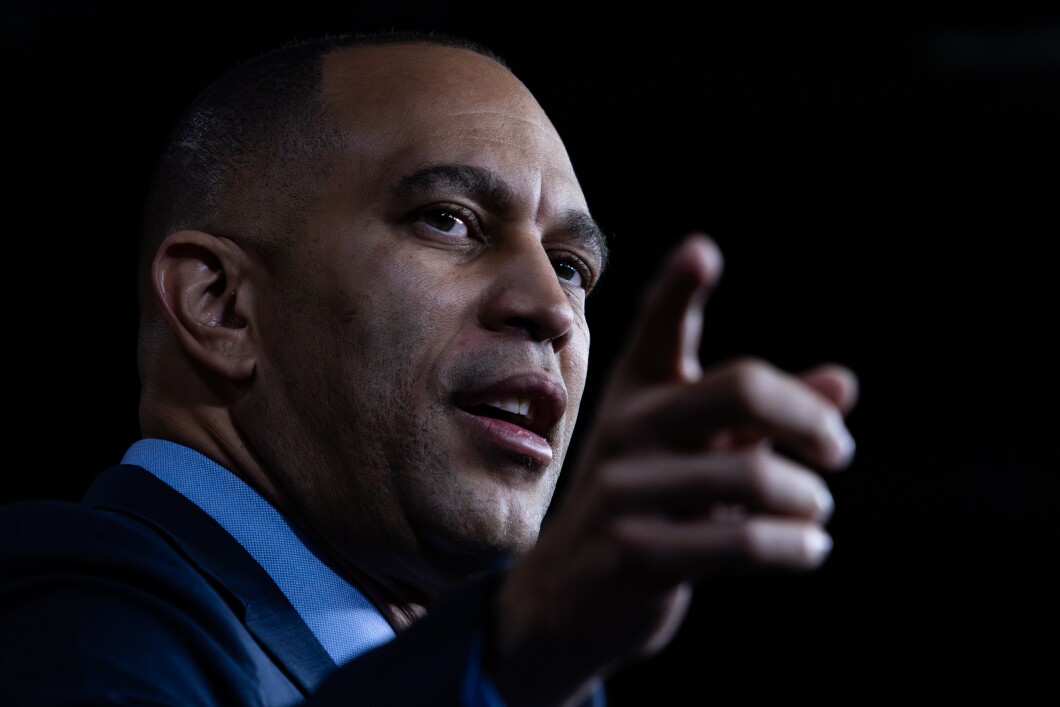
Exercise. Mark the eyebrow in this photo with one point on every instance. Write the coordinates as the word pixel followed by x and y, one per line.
pixel 490 189
pixel 584 229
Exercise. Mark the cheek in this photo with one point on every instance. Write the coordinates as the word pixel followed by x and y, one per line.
pixel 415 313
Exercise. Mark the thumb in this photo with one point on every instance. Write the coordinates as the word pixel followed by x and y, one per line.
pixel 664 344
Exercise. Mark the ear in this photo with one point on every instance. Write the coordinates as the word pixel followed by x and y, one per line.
pixel 202 287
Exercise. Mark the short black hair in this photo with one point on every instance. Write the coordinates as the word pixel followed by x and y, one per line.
pixel 261 126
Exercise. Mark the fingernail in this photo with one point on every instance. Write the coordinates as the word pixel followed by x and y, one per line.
pixel 818 544
pixel 843 444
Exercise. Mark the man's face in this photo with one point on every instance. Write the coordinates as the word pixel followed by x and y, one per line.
pixel 425 337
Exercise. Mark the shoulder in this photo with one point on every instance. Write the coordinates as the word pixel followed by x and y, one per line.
pixel 37 533
pixel 106 600
pixel 66 547
pixel 53 541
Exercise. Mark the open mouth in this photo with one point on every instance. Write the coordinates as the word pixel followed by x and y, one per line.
pixel 517 411
pixel 520 413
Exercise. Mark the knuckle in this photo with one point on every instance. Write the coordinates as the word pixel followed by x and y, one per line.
pixel 749 380
pixel 757 473
pixel 755 542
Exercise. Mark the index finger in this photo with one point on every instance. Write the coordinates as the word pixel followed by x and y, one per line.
pixel 664 344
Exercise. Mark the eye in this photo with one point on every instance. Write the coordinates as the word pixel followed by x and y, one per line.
pixel 447 220
pixel 571 270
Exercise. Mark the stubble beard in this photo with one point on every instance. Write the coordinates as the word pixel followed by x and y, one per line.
pixel 459 531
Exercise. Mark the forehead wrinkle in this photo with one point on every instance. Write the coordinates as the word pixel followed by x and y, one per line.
pixel 542 125
pixel 507 115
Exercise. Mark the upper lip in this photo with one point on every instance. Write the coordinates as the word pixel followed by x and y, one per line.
pixel 548 398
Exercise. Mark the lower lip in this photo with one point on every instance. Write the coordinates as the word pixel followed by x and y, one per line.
pixel 514 438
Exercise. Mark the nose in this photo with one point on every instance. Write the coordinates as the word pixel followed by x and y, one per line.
pixel 525 296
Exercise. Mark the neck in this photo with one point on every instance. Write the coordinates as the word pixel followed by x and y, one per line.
pixel 212 433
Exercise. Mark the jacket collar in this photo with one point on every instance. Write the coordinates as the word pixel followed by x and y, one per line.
pixel 267 613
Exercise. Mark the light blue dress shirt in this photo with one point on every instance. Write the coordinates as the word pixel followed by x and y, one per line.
pixel 338 614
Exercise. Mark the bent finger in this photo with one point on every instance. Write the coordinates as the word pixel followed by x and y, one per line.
pixel 690 485
pixel 664 344
pixel 692 550
pixel 750 395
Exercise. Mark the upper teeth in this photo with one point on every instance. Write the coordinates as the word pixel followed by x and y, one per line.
pixel 517 406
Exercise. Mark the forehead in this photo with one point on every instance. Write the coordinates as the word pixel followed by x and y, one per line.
pixel 370 80
pixel 409 105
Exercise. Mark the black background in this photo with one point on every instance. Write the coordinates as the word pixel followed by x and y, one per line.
pixel 883 184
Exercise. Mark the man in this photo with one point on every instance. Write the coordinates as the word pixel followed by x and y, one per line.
pixel 363 348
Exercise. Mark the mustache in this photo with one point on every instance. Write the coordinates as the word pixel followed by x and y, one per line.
pixel 471 370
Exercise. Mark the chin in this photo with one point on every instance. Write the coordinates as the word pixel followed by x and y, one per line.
pixel 452 567
pixel 471 550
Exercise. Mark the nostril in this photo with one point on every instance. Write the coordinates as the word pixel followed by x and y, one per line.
pixel 526 324
pixel 544 328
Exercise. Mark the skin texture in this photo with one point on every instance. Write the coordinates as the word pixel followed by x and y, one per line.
pixel 393 302
pixel 340 376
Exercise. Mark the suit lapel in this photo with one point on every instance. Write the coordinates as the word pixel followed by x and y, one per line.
pixel 268 615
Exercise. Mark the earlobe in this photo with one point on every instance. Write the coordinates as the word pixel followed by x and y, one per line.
pixel 201 288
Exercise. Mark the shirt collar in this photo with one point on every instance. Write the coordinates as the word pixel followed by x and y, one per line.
pixel 338 614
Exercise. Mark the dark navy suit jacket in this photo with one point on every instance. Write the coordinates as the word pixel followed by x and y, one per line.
pixel 136 596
